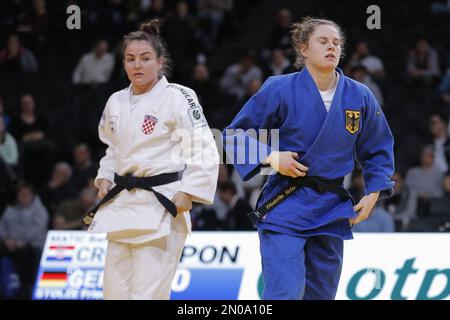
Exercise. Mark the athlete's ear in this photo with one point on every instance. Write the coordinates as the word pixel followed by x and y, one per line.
pixel 303 48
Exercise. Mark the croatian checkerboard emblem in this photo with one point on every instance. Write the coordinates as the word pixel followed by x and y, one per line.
pixel 149 124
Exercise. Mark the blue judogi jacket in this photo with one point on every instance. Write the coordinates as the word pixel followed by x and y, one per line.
pixel 328 143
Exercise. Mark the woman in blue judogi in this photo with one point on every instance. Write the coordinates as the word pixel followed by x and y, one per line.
pixel 325 122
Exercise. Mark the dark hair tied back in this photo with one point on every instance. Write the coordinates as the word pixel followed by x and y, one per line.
pixel 149 32
pixel 151 27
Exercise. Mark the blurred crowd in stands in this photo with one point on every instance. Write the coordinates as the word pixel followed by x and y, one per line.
pixel 54 83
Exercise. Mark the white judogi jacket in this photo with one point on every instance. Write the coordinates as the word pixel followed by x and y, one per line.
pixel 165 131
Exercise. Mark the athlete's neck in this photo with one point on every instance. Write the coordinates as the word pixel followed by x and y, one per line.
pixel 140 89
pixel 324 80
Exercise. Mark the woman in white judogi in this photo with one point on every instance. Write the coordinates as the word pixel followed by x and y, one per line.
pixel 152 129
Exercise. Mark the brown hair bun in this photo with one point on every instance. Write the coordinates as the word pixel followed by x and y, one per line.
pixel 151 27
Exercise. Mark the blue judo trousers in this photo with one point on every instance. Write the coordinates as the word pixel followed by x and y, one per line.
pixel 296 267
pixel 301 238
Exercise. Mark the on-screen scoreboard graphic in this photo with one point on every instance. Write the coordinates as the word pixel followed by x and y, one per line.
pixel 227 265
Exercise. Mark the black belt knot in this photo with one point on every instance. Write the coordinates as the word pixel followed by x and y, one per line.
pixel 130 182
pixel 127 181
pixel 316 183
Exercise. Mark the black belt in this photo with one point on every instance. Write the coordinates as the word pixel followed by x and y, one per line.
pixel 318 184
pixel 147 183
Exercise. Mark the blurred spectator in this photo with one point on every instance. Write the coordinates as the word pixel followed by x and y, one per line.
pixel 440 132
pixel 7 177
pixel 23 229
pixel 181 41
pixel 118 75
pixel 422 66
pixel 69 213
pixel 403 204
pixel 278 64
pixel 59 187
pixel 36 153
pixel 219 207
pixel 95 66
pixel 132 10
pixel 212 217
pixel 28 126
pixel 84 169
pixel 8 13
pixel 18 67
pixel 203 86
pixel 379 220
pixel 203 217
pixel 238 76
pixel 237 208
pixel 8 163
pixel 211 16
pixel 250 189
pixel 36 21
pixel 157 9
pixel 447 184
pixel 441 141
pixel 207 91
pixel 252 88
pixel 440 7
pixel 444 88
pixel 110 19
pixel 426 181
pixel 8 146
pixel 363 57
pixel 6 117
pixel 16 59
pixel 281 34
pixel 360 74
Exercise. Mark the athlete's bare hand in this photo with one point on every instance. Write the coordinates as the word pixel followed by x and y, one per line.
pixel 182 201
pixel 365 207
pixel 104 186
pixel 286 164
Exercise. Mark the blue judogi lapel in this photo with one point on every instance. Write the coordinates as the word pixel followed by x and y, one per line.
pixel 330 116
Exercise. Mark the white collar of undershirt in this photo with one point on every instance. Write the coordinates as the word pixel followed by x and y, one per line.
pixel 333 88
pixel 135 98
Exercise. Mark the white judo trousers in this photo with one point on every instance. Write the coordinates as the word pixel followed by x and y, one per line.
pixel 152 264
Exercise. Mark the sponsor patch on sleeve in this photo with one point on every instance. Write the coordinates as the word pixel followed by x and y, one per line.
pixel 197 118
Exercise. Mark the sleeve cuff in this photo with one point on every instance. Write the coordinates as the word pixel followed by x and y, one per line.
pixel 198 197
pixel 386 190
pixel 384 194
pixel 108 176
